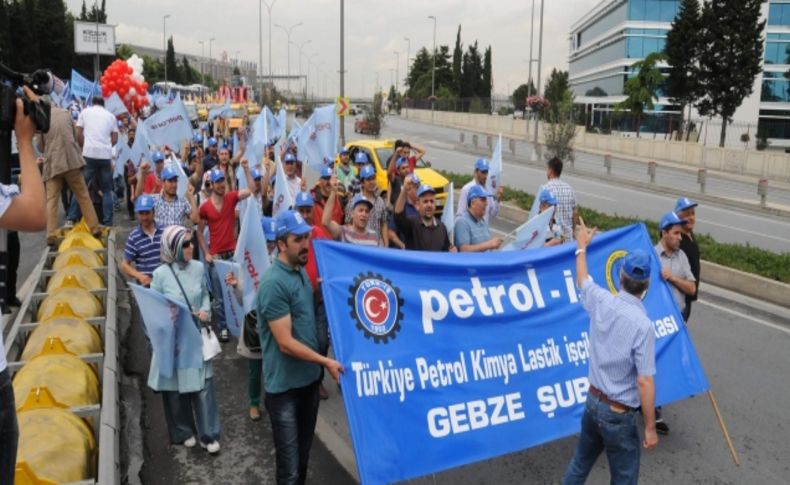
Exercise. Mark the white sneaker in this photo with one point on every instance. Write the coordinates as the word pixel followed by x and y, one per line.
pixel 212 447
pixel 191 442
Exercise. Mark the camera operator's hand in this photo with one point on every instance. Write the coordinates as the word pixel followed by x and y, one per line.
pixel 24 126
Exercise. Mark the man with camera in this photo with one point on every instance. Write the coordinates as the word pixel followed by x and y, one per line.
pixel 97 132
pixel 20 210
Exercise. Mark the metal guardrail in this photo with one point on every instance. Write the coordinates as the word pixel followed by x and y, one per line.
pixel 105 418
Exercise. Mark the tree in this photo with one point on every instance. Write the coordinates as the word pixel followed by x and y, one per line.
pixel 83 12
pixel 52 31
pixel 458 55
pixel 683 51
pixel 560 129
pixel 555 90
pixel 732 36
pixel 642 89
pixel 170 62
pixel 520 95
pixel 186 72
pixel 487 77
pixel 124 51
pixel 596 92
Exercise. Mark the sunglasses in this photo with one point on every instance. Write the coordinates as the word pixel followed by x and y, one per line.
pixel 186 244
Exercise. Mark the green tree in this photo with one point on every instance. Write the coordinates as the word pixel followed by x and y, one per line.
pixel 683 51
pixel 186 72
pixel 83 12
pixel 124 51
pixel 170 62
pixel 472 72
pixel 642 89
pixel 555 90
pixel 5 33
pixel 25 54
pixel 732 34
pixel 560 129
pixel 52 31
pixel 597 92
pixel 487 76
pixel 458 55
pixel 520 95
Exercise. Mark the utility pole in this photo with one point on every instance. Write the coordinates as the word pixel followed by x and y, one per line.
pixel 260 50
pixel 97 62
pixel 408 54
pixel 202 57
pixel 397 71
pixel 531 60
pixel 210 59
pixel 164 46
pixel 540 59
pixel 342 66
pixel 269 7
pixel 433 68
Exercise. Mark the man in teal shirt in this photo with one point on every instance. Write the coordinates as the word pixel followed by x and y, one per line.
pixel 291 362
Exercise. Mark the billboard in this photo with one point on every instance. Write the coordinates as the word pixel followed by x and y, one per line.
pixel 85 38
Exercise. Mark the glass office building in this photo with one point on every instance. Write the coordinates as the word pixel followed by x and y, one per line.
pixel 608 39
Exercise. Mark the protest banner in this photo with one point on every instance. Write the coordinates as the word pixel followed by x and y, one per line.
pixel 234 313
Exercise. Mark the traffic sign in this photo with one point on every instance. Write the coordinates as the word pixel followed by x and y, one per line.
pixel 342 103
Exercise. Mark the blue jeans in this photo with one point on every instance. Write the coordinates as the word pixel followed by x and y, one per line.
pixel 293 414
pixel 9 429
pixel 616 433
pixel 96 167
pixel 179 411
pixel 217 298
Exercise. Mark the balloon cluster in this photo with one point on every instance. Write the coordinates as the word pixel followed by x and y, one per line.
pixel 126 79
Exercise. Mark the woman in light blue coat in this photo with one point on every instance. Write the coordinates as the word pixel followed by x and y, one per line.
pixel 189 392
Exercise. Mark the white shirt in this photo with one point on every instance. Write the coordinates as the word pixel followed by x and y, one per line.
pixel 98 125
pixel 491 210
pixel 294 186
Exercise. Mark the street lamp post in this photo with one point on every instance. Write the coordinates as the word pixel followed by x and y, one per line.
pixel 301 47
pixel 397 71
pixel 540 59
pixel 202 57
pixel 342 64
pixel 307 78
pixel 210 58
pixel 408 54
pixel 164 44
pixel 288 35
pixel 433 66
pixel 269 7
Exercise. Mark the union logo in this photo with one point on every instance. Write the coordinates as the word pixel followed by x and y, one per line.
pixel 375 307
pixel 613 266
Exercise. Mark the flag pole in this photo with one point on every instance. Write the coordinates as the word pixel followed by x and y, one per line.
pixel 723 427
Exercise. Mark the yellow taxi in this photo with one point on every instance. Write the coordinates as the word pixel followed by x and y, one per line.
pixel 202 111
pixel 379 153
pixel 238 112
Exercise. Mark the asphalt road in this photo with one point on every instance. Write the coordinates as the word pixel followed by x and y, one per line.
pixel 724 223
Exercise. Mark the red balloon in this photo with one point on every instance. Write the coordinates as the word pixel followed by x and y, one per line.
pixel 129 69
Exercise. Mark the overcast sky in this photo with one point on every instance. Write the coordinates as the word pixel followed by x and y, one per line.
pixel 375 29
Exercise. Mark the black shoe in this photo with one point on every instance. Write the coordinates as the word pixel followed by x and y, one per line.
pixel 224 335
pixel 14 302
pixel 6 310
pixel 661 427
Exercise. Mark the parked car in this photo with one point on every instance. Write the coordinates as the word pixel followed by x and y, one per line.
pixel 366 127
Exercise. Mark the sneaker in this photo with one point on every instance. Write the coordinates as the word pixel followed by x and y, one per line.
pixel 255 414
pixel 190 442
pixel 68 224
pixel 212 447
pixel 661 427
pixel 224 335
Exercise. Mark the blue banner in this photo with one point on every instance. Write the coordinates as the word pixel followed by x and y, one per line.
pixel 169 126
pixel 115 105
pixel 532 234
pixel 317 139
pixel 83 87
pixel 251 254
pixel 487 359
pixel 234 314
pixel 223 111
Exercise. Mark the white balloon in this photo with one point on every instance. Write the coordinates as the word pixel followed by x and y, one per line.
pixel 132 92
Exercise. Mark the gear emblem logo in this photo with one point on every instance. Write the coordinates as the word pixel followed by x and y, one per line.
pixel 375 307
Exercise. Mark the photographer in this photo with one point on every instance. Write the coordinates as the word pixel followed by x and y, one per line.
pixel 22 211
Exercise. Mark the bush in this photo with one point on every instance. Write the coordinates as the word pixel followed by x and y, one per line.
pixel 737 256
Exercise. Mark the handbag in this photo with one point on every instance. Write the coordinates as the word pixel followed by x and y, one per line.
pixel 211 347
pixel 252 339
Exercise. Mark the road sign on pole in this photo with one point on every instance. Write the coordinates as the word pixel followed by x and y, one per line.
pixel 342 103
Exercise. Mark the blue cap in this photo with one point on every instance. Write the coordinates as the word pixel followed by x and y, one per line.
pixel 415 179
pixel 476 192
pixel 481 164
pixel 291 222
pixel 169 173
pixel 361 157
pixel 401 161
pixel 216 175
pixel 269 225
pixel 289 157
pixel 144 203
pixel 360 199
pixel 157 157
pixel 684 203
pixel 304 199
pixel 256 174
pixel 637 265
pixel 344 151
pixel 671 219
pixel 326 172
pixel 424 189
pixel 546 197
pixel 367 172
pixel 198 138
pixel 212 142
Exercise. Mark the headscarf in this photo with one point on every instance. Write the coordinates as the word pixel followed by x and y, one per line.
pixel 173 238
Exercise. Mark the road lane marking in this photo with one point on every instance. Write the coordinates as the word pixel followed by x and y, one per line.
pixel 588 194
pixel 747 317
pixel 747 231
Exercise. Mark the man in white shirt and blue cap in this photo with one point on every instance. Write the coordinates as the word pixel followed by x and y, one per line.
pixel 479 180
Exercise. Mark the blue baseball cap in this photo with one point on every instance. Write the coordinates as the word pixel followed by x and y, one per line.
pixel 424 189
pixel 269 225
pixel 546 197
pixel 291 222
pixel 684 203
pixel 637 265
pixel 216 175
pixel 360 199
pixel 169 173
pixel 289 158
pixel 361 157
pixel 415 180
pixel 256 174
pixel 144 203
pixel 401 161
pixel 476 192
pixel 157 157
pixel 481 164
pixel 212 142
pixel 671 219
pixel 198 138
pixel 344 151
pixel 367 172
pixel 304 199
pixel 326 172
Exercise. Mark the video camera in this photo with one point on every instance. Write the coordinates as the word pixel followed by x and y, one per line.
pixel 40 82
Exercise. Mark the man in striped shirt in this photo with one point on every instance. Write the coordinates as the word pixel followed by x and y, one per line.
pixel 565 214
pixel 169 208
pixel 622 365
pixel 143 245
